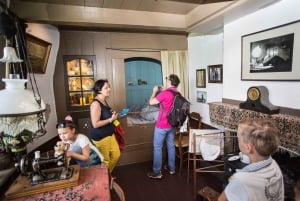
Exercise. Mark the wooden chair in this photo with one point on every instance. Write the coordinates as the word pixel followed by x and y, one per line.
pixel 117 189
pixel 181 140
pixel 205 139
pixel 194 120
pixel 194 123
pixel 181 143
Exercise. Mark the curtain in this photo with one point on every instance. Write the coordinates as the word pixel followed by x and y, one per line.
pixel 176 62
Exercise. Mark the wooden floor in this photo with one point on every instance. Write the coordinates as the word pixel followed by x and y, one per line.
pixel 138 187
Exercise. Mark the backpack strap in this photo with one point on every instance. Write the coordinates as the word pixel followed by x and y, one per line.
pixel 173 92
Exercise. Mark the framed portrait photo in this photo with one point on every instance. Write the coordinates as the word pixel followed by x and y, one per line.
pixel 215 73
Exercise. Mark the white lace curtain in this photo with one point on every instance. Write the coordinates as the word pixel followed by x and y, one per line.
pixel 176 62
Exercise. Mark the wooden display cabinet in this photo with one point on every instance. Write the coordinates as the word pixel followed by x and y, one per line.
pixel 79 81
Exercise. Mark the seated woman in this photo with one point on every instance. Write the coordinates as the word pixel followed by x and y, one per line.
pixel 80 147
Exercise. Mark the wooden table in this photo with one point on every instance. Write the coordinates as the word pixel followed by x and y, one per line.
pixel 93 184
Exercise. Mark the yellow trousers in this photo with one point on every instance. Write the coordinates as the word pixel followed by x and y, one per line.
pixel 109 148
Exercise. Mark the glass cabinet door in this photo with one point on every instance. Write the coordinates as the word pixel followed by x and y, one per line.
pixel 79 71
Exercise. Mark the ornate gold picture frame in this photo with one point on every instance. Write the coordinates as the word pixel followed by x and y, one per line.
pixel 38 53
pixel 201 78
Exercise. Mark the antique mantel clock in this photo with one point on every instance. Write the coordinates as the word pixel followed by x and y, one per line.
pixel 258 100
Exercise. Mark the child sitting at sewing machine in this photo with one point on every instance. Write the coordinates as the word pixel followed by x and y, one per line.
pixel 80 147
pixel 262 178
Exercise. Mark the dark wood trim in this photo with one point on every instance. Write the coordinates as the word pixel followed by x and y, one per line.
pixel 282 110
pixel 206 126
pixel 231 101
pixel 118 29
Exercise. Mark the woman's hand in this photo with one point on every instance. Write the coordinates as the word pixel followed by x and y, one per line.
pixel 114 116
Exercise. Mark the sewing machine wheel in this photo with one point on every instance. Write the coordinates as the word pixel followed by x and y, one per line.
pixel 23 165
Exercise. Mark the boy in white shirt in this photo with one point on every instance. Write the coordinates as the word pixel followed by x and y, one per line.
pixel 262 179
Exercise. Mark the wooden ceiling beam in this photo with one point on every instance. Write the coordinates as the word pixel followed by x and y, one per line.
pixel 198 1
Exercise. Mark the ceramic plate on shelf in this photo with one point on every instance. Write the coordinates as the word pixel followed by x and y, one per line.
pixel 234 158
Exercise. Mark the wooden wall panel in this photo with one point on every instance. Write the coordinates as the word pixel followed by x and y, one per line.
pixel 138 140
pixel 117 84
pixel 100 40
pixel 72 45
pixel 87 46
pixel 110 65
pixel 149 41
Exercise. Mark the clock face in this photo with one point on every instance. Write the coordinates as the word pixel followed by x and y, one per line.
pixel 253 93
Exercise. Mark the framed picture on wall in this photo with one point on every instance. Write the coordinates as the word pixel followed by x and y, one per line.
pixel 215 73
pixel 201 96
pixel 200 78
pixel 271 54
pixel 38 53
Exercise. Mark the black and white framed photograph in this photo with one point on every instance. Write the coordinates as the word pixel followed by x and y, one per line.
pixel 215 74
pixel 201 96
pixel 200 78
pixel 270 54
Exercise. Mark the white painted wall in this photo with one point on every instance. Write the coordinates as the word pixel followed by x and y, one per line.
pixel 204 51
pixel 45 81
pixel 226 48
pixel 285 94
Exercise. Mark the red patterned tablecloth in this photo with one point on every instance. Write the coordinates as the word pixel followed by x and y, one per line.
pixel 227 116
pixel 93 185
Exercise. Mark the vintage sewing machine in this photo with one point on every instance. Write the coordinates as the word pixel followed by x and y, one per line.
pixel 43 173
pixel 39 171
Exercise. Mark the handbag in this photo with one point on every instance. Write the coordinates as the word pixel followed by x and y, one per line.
pixel 119 133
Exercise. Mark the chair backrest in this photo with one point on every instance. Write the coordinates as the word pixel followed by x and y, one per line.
pixel 194 120
pixel 199 135
pixel 206 145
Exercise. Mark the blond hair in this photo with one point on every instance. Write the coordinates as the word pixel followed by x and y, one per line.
pixel 262 133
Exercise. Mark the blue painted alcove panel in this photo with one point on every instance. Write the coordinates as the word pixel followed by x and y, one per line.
pixel 141 75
